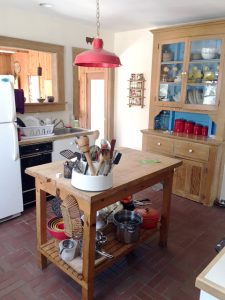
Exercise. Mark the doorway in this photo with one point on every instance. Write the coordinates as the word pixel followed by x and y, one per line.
pixel 93 98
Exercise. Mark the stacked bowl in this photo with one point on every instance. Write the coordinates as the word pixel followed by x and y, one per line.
pixel 55 228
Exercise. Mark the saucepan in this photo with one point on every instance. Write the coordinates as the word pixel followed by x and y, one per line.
pixel 127 226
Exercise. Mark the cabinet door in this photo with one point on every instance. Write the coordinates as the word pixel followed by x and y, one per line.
pixel 189 180
pixel 63 144
pixel 171 73
pixel 203 74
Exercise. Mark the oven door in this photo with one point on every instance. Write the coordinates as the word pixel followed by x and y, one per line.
pixel 28 182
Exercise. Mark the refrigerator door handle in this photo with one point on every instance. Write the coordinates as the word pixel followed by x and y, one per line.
pixel 15 152
pixel 13 105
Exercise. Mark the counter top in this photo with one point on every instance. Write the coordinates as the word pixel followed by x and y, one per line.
pixel 212 278
pixel 54 137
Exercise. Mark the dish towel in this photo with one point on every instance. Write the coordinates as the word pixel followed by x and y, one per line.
pixel 19 99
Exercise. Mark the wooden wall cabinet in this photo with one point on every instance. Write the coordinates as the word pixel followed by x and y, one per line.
pixel 188 79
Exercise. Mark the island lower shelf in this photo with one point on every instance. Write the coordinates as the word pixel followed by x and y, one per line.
pixel 115 248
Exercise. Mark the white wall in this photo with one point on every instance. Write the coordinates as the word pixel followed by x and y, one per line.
pixel 133 47
pixel 39 27
pixel 135 51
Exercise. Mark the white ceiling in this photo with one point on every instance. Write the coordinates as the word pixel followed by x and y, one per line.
pixel 123 15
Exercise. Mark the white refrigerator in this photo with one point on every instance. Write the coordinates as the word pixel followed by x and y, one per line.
pixel 11 201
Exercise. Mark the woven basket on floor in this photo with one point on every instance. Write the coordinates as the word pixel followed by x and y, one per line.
pixel 72 217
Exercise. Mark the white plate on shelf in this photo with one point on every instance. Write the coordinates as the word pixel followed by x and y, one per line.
pixel 31 121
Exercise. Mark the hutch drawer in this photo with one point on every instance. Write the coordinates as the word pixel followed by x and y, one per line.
pixel 160 145
pixel 191 150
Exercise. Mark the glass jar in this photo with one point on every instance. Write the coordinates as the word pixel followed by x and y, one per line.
pixel 165 117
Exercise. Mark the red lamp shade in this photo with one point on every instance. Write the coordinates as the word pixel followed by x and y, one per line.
pixel 97 57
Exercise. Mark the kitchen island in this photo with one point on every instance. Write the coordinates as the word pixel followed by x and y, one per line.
pixel 137 170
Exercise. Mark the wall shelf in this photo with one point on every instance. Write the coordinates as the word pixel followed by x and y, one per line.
pixel 136 90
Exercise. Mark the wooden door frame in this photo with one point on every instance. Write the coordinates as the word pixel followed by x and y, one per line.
pixel 108 93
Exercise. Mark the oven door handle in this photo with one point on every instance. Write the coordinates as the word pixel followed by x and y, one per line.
pixel 34 155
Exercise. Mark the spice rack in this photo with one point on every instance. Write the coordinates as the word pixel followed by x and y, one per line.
pixel 136 90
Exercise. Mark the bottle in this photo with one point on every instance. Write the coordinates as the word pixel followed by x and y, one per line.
pixel 75 123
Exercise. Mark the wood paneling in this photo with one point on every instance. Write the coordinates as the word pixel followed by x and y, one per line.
pixel 5 64
pixel 51 58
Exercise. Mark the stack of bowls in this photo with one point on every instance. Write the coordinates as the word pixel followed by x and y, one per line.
pixel 55 228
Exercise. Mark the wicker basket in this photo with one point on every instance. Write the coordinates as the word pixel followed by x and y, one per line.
pixel 72 217
pixel 37 130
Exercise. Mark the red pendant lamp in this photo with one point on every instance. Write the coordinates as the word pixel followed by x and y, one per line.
pixel 97 57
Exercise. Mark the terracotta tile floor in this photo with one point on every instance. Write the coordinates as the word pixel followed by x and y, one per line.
pixel 147 273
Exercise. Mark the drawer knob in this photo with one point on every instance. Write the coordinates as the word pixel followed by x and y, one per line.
pixel 190 150
pixel 159 144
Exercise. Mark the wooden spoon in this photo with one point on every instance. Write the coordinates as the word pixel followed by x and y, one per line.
pixel 83 143
pixel 104 160
pixel 95 135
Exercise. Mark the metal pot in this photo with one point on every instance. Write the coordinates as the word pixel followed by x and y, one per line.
pixel 127 226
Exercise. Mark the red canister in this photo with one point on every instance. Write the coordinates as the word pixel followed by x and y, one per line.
pixel 197 129
pixel 205 130
pixel 179 125
pixel 189 127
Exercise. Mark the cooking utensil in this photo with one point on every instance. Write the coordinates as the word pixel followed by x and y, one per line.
pixel 83 143
pixel 105 159
pixel 70 154
pixel 100 240
pixel 142 202
pixel 55 203
pixel 113 143
pixel 103 253
pixel 95 152
pixel 95 135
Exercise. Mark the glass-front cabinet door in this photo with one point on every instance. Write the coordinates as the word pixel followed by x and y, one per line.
pixel 189 73
pixel 171 70
pixel 203 73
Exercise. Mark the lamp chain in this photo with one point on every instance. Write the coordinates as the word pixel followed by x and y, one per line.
pixel 97 18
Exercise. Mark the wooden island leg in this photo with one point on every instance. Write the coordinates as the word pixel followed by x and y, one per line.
pixel 41 223
pixel 89 235
pixel 165 214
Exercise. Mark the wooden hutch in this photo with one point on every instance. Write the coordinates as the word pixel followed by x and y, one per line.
pixel 187 83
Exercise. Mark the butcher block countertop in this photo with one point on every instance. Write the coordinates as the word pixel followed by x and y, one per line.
pixel 212 278
pixel 129 169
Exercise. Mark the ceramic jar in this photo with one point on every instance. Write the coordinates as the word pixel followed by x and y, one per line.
pixel 198 129
pixel 189 127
